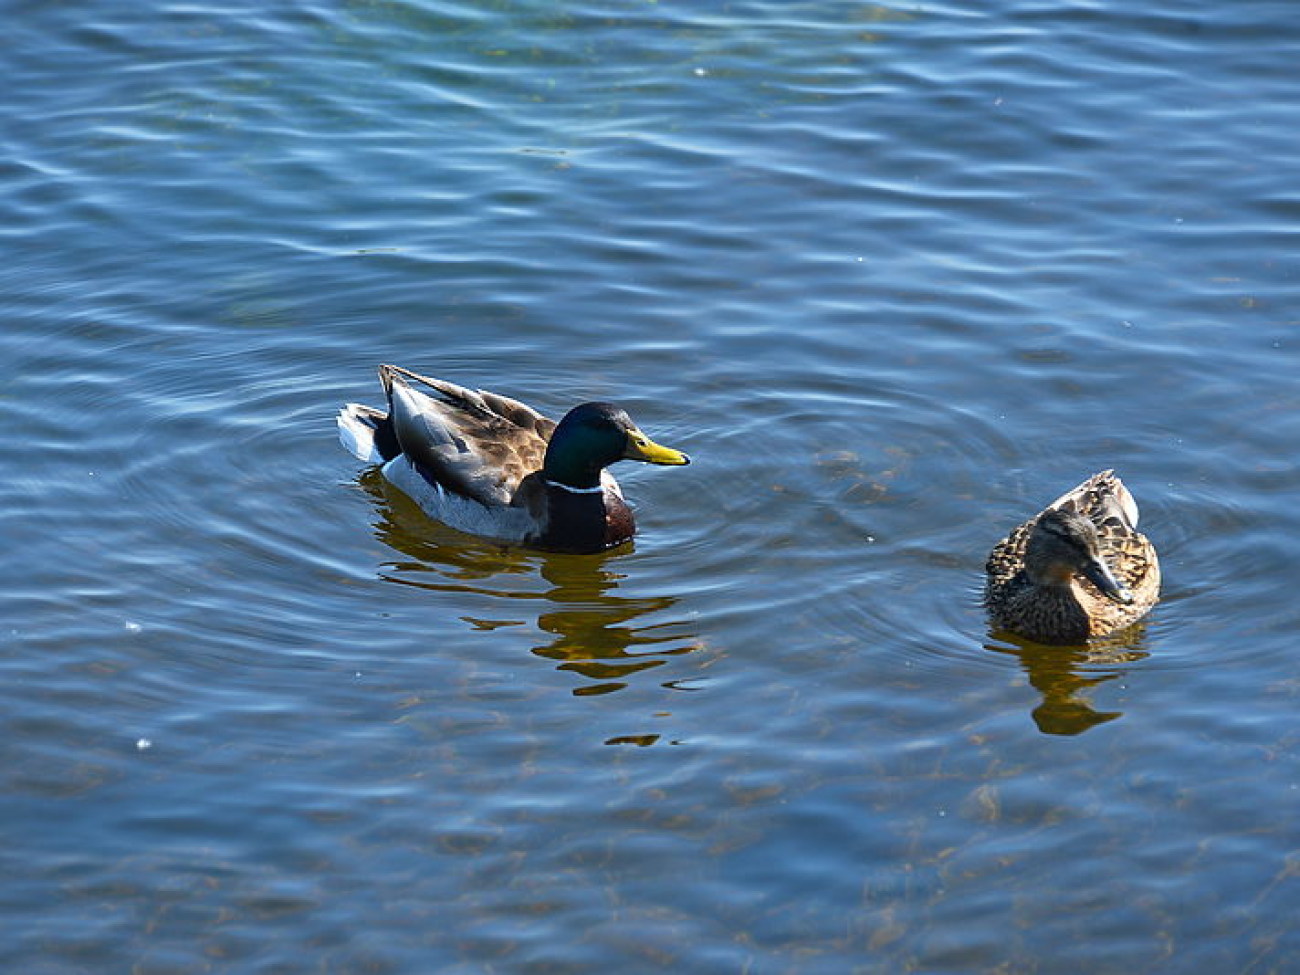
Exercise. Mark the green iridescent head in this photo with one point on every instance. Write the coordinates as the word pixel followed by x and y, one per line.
pixel 593 436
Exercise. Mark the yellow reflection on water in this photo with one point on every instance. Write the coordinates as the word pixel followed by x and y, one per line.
pixel 592 624
pixel 597 631
pixel 1065 677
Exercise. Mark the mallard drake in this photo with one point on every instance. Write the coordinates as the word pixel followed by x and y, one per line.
pixel 1079 569
pixel 490 465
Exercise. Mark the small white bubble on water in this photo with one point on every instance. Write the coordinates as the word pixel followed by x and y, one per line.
pixel 132 627
pixel 143 744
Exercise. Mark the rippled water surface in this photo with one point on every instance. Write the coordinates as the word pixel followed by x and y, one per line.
pixel 895 276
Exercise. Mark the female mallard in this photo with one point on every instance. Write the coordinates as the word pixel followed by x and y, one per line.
pixel 1079 569
pixel 490 465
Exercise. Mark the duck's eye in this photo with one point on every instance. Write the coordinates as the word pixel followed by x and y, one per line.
pixel 639 441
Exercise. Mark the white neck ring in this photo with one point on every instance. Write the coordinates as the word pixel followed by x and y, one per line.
pixel 598 489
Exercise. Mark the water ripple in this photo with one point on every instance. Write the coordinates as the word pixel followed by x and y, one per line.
pixel 894 277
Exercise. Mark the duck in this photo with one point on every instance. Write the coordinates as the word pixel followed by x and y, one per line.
pixel 492 466
pixel 1077 570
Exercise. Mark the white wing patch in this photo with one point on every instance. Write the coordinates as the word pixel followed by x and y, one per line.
pixel 457 511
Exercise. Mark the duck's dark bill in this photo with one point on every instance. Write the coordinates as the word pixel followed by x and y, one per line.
pixel 1099 574
pixel 641 447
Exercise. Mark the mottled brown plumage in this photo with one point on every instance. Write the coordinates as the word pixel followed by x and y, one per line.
pixel 495 441
pixel 1077 570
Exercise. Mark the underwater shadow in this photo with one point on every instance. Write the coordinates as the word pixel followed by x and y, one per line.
pixel 1066 675
pixel 599 633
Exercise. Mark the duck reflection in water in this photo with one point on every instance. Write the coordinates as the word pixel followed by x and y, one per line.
pixel 594 629
pixel 1065 675
pixel 591 625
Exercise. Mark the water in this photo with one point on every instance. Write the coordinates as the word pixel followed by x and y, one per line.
pixel 895 276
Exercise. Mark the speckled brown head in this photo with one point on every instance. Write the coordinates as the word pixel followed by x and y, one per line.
pixel 1063 543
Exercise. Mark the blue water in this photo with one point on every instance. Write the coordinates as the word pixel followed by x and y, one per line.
pixel 894 276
